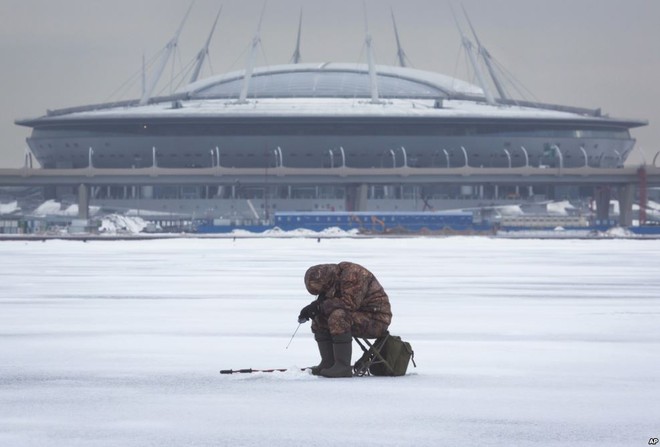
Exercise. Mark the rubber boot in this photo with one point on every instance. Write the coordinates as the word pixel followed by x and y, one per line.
pixel 324 340
pixel 342 347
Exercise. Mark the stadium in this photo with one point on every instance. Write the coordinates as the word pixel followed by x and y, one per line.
pixel 322 116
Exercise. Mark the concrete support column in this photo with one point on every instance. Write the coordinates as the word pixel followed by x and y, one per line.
pixel 602 198
pixel 626 198
pixel 83 202
pixel 147 192
pixel 356 197
pixel 361 198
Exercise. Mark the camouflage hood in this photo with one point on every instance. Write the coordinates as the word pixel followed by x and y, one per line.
pixel 320 279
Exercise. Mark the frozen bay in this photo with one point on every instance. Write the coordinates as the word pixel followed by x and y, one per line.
pixel 518 342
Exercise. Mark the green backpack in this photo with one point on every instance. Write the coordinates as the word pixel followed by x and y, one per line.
pixel 396 353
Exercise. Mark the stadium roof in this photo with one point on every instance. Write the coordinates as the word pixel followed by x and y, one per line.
pixel 331 80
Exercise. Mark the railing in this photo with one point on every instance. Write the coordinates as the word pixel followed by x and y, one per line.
pixel 340 174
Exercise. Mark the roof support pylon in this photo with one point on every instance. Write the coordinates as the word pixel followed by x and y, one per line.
pixel 295 59
pixel 201 56
pixel 485 55
pixel 249 69
pixel 400 54
pixel 168 50
pixel 467 44
pixel 373 75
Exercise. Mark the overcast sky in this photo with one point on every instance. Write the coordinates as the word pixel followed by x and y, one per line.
pixel 588 53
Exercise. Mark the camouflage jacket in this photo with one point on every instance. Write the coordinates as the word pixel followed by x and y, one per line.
pixel 354 289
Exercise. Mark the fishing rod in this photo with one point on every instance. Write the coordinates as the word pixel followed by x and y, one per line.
pixel 250 370
pixel 294 334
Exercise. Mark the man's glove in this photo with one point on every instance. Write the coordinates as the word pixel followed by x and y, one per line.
pixel 308 312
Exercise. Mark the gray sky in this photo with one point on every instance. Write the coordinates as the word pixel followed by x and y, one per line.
pixel 588 53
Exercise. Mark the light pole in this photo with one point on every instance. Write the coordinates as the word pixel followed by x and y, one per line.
pixel 561 157
pixel 91 152
pixel 393 158
pixel 465 155
pixel 343 157
pixel 526 156
pixel 405 157
pixel 530 191
pixel 586 158
pixel 446 156
pixel 28 158
pixel 279 151
pixel 508 156
pixel 332 158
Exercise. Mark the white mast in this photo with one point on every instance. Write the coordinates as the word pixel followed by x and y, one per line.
pixel 373 75
pixel 169 48
pixel 485 55
pixel 256 40
pixel 296 54
pixel 144 76
pixel 399 51
pixel 467 44
pixel 204 51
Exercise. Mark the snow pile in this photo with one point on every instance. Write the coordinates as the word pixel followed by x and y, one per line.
pixel 71 210
pixel 54 208
pixel 336 231
pixel 652 210
pixel 559 208
pixel 510 210
pixel 616 232
pixel 302 232
pixel 136 212
pixel 48 208
pixel 8 208
pixel 116 223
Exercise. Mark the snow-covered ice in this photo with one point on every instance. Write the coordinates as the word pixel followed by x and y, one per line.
pixel 517 342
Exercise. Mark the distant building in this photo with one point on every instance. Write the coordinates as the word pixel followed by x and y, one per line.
pixel 322 115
